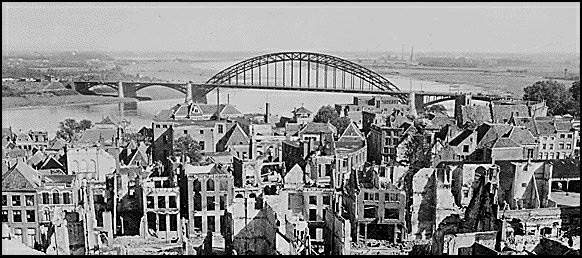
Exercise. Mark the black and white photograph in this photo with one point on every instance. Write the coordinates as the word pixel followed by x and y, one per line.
pixel 290 128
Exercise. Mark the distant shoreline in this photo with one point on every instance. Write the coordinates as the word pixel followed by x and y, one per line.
pixel 23 103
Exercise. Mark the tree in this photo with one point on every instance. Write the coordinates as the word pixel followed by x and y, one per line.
pixel 327 114
pixel 575 91
pixel 85 124
pixel 556 95
pixel 185 146
pixel 69 128
pixel 438 108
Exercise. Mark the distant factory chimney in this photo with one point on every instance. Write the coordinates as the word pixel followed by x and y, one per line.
pixel 402 53
pixel 267 120
pixel 411 54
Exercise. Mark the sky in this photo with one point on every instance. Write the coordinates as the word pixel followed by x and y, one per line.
pixel 449 27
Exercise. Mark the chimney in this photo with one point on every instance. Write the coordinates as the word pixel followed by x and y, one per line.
pixel 267 120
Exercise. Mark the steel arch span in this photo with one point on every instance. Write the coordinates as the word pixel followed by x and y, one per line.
pixel 315 62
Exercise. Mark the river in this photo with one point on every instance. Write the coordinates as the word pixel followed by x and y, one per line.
pixel 247 101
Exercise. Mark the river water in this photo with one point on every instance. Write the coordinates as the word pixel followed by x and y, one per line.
pixel 247 101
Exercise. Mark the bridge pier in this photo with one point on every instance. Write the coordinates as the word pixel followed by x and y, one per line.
pixel 416 103
pixel 461 100
pixel 189 91
pixel 120 90
pixel 126 91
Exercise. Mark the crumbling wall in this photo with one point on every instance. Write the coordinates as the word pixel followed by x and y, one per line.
pixel 423 206
pixel 336 234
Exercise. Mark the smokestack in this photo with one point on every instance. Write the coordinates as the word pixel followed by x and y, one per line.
pixel 411 54
pixel 402 54
pixel 267 120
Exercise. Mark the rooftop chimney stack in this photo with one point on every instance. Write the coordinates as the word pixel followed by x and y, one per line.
pixel 267 115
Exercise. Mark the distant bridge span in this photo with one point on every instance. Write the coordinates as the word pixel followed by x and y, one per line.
pixel 297 71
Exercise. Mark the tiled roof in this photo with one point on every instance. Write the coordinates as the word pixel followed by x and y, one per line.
pixel 20 177
pixel 565 168
pixel 544 126
pixel 522 136
pixel 528 123
pixel 94 135
pixel 477 114
pixel 292 128
pixel 14 153
pixel 234 136
pixel 487 134
pixel 163 115
pixel 315 128
pixel 229 110
pixel 59 178
pixel 505 143
pixel 502 113
pixel 37 158
pixel 57 144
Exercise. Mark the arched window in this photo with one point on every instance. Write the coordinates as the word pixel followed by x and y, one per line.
pixel 75 167
pixel 197 202
pixel 210 185
pixel 239 196
pixel 252 195
pixel 197 186
pixel 92 166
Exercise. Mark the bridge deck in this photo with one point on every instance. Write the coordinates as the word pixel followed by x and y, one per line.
pixel 289 88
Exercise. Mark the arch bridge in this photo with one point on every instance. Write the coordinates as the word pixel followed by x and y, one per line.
pixel 297 71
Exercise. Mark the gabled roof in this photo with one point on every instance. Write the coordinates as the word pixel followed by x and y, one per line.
pixel 522 136
pixel 23 137
pixel 526 122
pixel 504 142
pixel 229 110
pixel 37 158
pixel 544 126
pixel 502 113
pixel 478 114
pixel 487 134
pixel 106 120
pixel 292 128
pixel 57 144
pixel 294 177
pixel 461 137
pixel 103 135
pixel 234 136
pixel 316 128
pixel 302 110
pixel 352 132
pixel 21 177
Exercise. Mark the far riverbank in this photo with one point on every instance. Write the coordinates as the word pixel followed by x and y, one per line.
pixel 33 102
